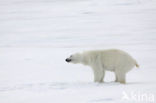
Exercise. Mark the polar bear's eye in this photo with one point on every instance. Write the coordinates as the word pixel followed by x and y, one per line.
pixel 70 56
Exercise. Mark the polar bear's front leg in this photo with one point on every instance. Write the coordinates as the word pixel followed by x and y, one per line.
pixel 98 75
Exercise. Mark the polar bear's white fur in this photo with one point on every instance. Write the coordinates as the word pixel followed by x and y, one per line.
pixel 113 60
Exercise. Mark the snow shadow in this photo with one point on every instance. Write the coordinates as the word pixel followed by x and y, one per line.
pixel 55 86
pixel 44 86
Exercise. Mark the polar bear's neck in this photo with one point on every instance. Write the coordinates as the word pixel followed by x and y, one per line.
pixel 89 58
pixel 86 58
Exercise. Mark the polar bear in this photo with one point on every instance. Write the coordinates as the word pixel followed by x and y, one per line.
pixel 100 61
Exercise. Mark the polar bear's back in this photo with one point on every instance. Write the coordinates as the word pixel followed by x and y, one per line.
pixel 113 59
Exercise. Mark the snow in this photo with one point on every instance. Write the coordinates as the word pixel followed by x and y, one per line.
pixel 37 35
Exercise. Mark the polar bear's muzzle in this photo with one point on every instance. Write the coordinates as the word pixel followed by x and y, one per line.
pixel 68 60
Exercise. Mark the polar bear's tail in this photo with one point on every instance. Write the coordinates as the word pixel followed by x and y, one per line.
pixel 136 64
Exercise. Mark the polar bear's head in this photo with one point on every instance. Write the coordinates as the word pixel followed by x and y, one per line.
pixel 75 58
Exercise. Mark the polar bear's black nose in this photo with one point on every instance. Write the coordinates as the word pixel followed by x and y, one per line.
pixel 68 60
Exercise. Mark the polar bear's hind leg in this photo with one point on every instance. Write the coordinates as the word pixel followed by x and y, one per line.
pixel 116 78
pixel 121 77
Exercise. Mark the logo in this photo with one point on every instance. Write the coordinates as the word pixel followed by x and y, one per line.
pixel 135 96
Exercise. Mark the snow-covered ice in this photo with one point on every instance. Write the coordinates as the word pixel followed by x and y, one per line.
pixel 37 35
